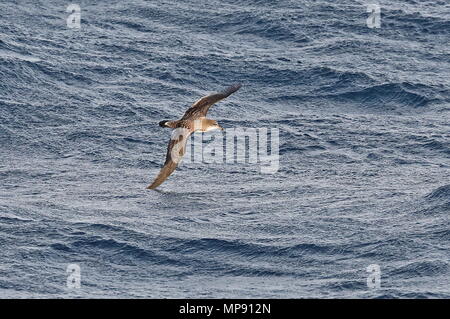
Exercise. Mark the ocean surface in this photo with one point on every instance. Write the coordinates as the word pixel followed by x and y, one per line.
pixel 364 149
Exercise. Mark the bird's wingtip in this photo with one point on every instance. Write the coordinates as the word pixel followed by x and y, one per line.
pixel 233 88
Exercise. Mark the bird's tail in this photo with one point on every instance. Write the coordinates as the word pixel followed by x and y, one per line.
pixel 166 123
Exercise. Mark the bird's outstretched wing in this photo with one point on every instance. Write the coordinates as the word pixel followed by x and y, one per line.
pixel 175 152
pixel 201 107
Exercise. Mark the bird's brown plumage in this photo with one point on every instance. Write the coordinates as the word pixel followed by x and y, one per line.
pixel 175 151
pixel 201 107
pixel 193 120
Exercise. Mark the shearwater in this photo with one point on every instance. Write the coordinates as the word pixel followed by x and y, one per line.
pixel 194 120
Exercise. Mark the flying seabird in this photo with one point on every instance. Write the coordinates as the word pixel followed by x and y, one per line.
pixel 192 121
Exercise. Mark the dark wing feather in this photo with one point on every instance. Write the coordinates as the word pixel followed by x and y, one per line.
pixel 175 151
pixel 201 107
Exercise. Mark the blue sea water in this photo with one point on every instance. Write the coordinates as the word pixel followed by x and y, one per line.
pixel 364 121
